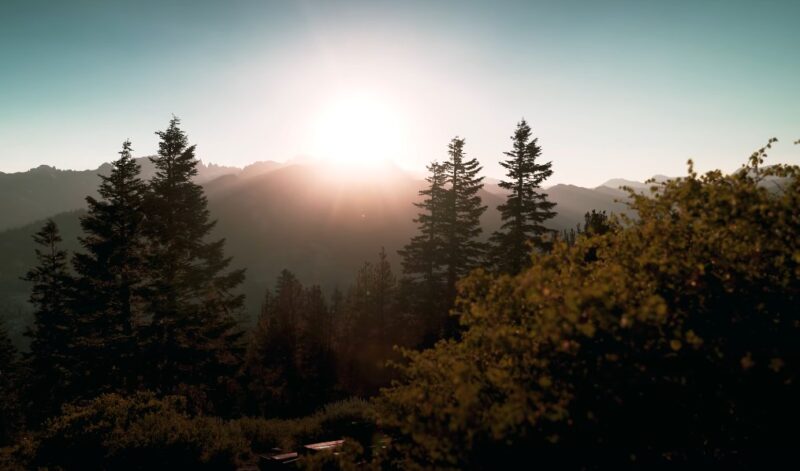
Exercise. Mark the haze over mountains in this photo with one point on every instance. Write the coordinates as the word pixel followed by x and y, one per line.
pixel 44 191
pixel 320 224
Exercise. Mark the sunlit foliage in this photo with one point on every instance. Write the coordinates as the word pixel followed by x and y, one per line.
pixel 676 341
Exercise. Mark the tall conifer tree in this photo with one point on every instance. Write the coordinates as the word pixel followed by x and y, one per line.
pixel 51 358
pixel 447 247
pixel 193 336
pixel 526 208
pixel 10 382
pixel 384 298
pixel 335 317
pixel 369 328
pixel 110 277
pixel 270 365
pixel 423 258
pixel 314 356
pixel 354 327
pixel 463 209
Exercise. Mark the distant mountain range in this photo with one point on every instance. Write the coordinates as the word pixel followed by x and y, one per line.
pixel 298 216
pixel 45 191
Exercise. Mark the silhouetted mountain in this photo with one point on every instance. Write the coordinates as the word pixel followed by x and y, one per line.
pixel 492 185
pixel 44 191
pixel 617 183
pixel 573 202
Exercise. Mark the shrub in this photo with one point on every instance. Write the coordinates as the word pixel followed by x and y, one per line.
pixel 147 432
pixel 352 418
pixel 114 432
pixel 673 339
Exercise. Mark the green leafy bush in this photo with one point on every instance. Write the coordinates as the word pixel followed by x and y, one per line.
pixel 115 432
pixel 674 338
pixel 147 432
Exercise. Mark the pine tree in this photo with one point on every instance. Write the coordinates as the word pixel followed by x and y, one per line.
pixel 10 382
pixel 193 336
pixel 270 367
pixel 290 365
pixel 51 358
pixel 462 225
pixel 526 208
pixel 335 318
pixel 369 328
pixel 385 294
pixel 110 277
pixel 354 331
pixel 423 259
pixel 314 358
pixel 447 246
pixel 422 256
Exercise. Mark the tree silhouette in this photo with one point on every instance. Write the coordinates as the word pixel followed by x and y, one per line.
pixel 52 357
pixel 526 208
pixel 423 260
pixel 290 367
pixel 110 278
pixel 192 337
pixel 463 252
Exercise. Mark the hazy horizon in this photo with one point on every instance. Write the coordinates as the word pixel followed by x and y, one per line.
pixel 618 90
pixel 307 160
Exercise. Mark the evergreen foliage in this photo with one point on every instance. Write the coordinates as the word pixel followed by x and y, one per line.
pixel 371 324
pixel 52 358
pixel 596 223
pixel 463 251
pixel 270 358
pixel 447 246
pixel 192 337
pixel 11 377
pixel 289 365
pixel 384 297
pixel 110 277
pixel 316 361
pixel 423 257
pixel 526 208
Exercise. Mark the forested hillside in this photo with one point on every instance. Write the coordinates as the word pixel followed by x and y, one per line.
pixel 297 217
pixel 477 336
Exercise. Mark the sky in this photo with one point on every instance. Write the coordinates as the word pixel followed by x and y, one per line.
pixel 611 89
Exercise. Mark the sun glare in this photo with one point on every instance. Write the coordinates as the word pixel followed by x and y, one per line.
pixel 357 132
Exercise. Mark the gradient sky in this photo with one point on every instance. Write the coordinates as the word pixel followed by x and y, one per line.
pixel 612 88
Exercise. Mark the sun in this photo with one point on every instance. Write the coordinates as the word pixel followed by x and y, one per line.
pixel 358 131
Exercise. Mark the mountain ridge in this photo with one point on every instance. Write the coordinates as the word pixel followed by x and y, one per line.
pixel 44 191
